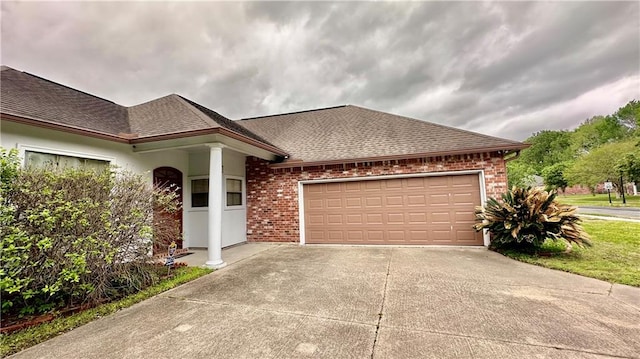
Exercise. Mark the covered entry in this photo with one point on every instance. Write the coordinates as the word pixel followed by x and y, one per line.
pixel 427 210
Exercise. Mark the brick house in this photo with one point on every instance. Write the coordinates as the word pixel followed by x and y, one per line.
pixel 339 175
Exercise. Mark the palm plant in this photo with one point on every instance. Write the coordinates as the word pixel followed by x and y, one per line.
pixel 526 217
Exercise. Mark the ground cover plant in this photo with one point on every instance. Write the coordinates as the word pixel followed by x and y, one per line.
pixel 74 237
pixel 614 256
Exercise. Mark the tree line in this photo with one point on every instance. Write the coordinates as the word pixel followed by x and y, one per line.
pixel 602 148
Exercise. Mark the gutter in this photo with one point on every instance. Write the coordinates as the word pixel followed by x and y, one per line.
pixel 299 163
pixel 133 139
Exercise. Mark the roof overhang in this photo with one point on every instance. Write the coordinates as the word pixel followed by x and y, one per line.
pixel 503 150
pixel 179 140
pixel 199 138
pixel 64 128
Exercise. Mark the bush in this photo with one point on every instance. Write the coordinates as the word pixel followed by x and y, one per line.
pixel 526 217
pixel 74 236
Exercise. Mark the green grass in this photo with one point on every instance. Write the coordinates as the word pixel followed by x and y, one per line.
pixel 601 200
pixel 614 256
pixel 17 341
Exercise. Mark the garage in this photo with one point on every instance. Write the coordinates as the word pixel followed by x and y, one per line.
pixel 427 210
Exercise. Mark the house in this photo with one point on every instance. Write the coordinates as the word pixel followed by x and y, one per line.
pixel 340 175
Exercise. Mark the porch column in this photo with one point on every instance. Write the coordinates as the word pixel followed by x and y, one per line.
pixel 214 216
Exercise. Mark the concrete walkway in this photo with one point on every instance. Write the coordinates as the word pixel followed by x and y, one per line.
pixel 354 302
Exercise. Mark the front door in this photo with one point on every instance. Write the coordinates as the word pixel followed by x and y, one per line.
pixel 168 177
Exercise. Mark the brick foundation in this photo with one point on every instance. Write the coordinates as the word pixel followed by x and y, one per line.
pixel 272 193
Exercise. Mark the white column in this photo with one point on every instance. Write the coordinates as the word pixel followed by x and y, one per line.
pixel 214 216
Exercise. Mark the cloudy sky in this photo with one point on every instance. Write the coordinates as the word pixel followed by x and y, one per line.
pixel 501 68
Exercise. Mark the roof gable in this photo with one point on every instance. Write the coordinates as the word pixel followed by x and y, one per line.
pixel 352 132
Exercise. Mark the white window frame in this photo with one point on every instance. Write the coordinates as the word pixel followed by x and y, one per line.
pixel 191 207
pixel 22 149
pixel 243 187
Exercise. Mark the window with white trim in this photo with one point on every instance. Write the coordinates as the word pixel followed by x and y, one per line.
pixel 55 161
pixel 200 192
pixel 234 192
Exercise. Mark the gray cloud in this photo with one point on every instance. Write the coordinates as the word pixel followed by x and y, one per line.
pixel 501 68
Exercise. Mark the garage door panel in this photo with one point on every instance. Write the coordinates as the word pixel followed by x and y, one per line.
pixel 333 187
pixel 438 199
pixel 463 199
pixel 395 201
pixel 372 185
pixel 417 218
pixel 465 235
pixel 353 202
pixel 397 236
pixel 333 203
pixel 416 210
pixel 374 201
pixel 416 200
pixel 335 219
pixel 316 219
pixel 395 218
pixel 354 219
pixel 374 236
pixel 440 217
pixel 315 204
pixel 374 218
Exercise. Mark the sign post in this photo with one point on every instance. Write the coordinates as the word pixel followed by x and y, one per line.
pixel 608 186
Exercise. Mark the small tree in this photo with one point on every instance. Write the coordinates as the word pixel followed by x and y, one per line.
pixel 554 177
pixel 599 165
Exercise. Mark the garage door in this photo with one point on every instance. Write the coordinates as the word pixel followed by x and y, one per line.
pixel 437 210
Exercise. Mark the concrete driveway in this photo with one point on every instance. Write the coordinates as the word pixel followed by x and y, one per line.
pixel 355 302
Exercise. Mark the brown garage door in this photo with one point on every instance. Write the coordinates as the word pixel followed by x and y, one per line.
pixel 416 210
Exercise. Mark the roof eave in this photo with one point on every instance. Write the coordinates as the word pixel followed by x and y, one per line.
pixel 294 163
pixel 127 138
pixel 210 131
pixel 63 128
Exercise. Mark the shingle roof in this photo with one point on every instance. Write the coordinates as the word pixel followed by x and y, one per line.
pixel 33 97
pixel 352 132
pixel 166 115
pixel 29 96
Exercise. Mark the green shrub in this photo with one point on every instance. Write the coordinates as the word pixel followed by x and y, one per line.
pixel 74 236
pixel 526 217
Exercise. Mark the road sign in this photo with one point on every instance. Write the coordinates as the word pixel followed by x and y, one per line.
pixel 608 186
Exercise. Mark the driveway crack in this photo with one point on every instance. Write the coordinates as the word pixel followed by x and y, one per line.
pixel 384 297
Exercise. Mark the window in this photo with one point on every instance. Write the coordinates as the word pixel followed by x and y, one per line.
pixel 234 192
pixel 49 160
pixel 200 192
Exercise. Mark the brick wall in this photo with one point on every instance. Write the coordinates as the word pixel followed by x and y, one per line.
pixel 272 193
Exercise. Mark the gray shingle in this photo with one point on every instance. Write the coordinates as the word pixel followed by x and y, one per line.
pixel 33 97
pixel 352 132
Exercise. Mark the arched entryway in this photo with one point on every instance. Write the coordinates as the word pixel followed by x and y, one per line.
pixel 168 177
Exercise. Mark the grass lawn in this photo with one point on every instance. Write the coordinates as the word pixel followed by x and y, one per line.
pixel 598 200
pixel 614 256
pixel 20 340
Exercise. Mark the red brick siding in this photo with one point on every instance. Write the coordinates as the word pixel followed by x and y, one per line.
pixel 272 194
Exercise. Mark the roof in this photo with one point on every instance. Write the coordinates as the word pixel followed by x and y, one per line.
pixel 351 132
pixel 328 135
pixel 34 98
